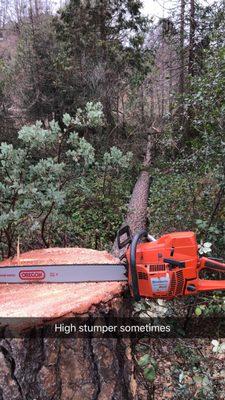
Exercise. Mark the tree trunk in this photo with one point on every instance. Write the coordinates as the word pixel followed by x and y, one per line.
pixel 182 61
pixel 191 38
pixel 182 65
pixel 189 132
pixel 70 368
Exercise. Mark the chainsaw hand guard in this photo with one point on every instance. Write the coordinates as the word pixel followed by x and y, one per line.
pixel 125 230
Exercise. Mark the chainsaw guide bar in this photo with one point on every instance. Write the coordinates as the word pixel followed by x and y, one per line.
pixel 165 268
pixel 63 273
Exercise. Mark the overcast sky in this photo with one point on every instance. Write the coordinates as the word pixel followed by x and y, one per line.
pixel 159 8
pixel 153 8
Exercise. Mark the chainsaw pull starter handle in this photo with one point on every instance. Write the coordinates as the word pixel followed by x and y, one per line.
pixel 134 278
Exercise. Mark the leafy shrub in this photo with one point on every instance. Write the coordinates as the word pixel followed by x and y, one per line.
pixel 54 191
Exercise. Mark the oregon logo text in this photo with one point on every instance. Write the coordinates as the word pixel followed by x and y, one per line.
pixel 32 275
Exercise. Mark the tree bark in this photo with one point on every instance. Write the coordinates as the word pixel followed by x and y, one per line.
pixel 70 368
pixel 191 38
pixel 44 367
pixel 136 216
pixel 189 131
pixel 182 61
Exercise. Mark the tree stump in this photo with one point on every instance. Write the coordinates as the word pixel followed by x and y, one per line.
pixel 55 368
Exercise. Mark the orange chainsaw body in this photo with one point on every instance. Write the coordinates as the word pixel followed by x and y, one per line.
pixel 170 266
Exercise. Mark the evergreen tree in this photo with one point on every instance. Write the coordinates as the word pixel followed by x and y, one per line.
pixel 100 46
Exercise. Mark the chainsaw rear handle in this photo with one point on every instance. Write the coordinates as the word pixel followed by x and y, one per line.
pixel 202 285
pixel 207 263
pixel 133 270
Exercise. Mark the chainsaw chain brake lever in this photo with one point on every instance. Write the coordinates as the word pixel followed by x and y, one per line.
pixel 124 231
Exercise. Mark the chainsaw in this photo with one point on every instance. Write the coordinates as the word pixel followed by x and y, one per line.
pixel 165 268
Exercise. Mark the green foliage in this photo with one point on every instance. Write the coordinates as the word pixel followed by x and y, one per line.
pixel 187 195
pixel 100 49
pixel 91 116
pixel 190 356
pixel 53 187
pixel 198 311
pixel 188 190
pixel 116 159
pixel 212 305
pixel 35 136
pixel 34 78
pixel 149 366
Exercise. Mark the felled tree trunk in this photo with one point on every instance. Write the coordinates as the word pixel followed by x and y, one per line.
pixel 136 216
pixel 39 367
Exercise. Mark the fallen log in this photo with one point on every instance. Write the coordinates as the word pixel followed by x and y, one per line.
pixel 136 216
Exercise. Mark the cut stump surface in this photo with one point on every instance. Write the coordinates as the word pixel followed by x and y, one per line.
pixel 61 299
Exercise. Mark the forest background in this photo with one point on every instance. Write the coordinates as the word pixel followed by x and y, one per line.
pixel 82 92
pixel 100 77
